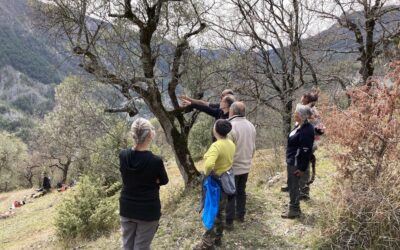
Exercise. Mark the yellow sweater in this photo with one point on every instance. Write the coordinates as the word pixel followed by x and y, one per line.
pixel 219 157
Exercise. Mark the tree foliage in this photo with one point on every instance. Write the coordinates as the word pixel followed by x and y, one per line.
pixel 13 156
pixel 68 135
pixel 372 123
pixel 201 136
pixel 373 25
pixel 126 46
pixel 270 63
pixel 367 215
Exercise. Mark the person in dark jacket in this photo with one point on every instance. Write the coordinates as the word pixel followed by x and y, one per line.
pixel 142 175
pixel 224 93
pixel 310 99
pixel 46 183
pixel 221 112
pixel 298 154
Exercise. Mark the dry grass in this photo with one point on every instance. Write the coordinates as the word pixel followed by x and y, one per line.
pixel 366 216
pixel 32 225
pixel 180 225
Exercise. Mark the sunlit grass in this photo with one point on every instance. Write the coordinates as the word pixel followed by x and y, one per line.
pixel 31 223
pixel 180 224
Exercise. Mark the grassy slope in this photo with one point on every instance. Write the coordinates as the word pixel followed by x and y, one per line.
pixel 180 226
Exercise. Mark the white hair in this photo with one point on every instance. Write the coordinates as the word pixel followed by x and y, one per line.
pixel 140 129
pixel 304 111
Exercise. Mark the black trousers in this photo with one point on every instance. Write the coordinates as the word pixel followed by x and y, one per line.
pixel 294 188
pixel 236 206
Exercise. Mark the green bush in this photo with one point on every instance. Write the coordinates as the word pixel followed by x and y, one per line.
pixel 87 212
pixel 200 137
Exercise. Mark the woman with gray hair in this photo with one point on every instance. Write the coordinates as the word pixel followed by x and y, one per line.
pixel 298 154
pixel 142 175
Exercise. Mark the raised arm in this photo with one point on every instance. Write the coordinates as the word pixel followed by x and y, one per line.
pixel 185 99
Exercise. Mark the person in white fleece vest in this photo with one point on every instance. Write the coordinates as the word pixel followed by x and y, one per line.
pixel 243 134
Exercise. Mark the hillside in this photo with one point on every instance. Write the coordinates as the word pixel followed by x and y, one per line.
pixel 27 48
pixel 30 66
pixel 180 226
pixel 23 100
pixel 30 59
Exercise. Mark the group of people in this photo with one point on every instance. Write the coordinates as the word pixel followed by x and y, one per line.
pixel 232 150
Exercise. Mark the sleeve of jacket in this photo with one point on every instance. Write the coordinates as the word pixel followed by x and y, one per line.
pixel 210 157
pixel 232 136
pixel 214 112
pixel 121 158
pixel 214 105
pixel 163 176
pixel 306 140
pixel 254 136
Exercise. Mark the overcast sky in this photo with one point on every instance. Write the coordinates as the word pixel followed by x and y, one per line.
pixel 223 12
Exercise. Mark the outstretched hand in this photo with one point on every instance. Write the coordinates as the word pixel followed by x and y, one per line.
pixel 185 101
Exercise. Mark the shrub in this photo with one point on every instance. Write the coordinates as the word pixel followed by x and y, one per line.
pixel 200 137
pixel 87 211
pixel 368 211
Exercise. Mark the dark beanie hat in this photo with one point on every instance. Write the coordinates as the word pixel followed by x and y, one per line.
pixel 223 127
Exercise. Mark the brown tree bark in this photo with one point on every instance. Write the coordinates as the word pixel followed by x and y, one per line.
pixel 145 17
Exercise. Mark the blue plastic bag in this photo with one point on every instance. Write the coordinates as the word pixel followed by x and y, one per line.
pixel 211 202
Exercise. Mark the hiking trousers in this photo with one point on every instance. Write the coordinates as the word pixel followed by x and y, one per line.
pixel 217 231
pixel 294 188
pixel 137 234
pixel 304 188
pixel 236 205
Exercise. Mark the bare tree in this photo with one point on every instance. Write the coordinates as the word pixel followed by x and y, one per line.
pixel 373 23
pixel 127 44
pixel 273 62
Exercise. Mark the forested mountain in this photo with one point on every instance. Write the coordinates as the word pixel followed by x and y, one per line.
pixel 30 66
pixel 31 63
pixel 22 100
pixel 27 48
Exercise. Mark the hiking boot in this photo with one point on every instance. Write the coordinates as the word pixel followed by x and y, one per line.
pixel 285 189
pixel 202 246
pixel 218 242
pixel 291 214
pixel 229 226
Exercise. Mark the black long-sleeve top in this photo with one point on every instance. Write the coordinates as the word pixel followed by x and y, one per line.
pixel 213 111
pixel 142 174
pixel 299 146
pixel 46 183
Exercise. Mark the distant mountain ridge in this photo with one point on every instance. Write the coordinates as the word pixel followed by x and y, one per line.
pixel 23 100
pixel 31 64
pixel 27 49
